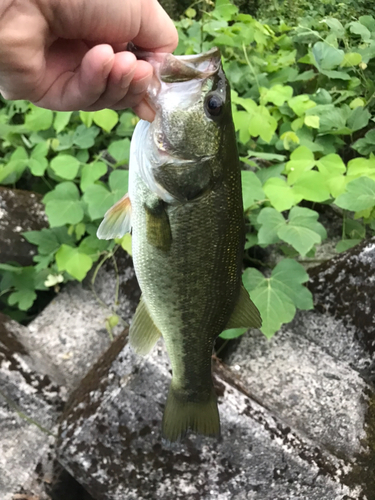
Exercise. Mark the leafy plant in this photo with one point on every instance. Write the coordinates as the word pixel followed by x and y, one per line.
pixel 303 100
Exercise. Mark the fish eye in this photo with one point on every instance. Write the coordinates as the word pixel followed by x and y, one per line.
pixel 213 105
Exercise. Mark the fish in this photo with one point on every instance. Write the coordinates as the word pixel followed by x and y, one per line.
pixel 184 210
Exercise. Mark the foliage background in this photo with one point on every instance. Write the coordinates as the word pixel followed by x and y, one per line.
pixel 303 94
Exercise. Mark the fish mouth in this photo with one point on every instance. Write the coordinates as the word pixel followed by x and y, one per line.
pixel 172 69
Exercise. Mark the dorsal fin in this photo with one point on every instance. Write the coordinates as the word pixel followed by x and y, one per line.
pixel 117 220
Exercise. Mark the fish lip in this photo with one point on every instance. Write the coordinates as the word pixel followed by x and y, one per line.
pixel 169 68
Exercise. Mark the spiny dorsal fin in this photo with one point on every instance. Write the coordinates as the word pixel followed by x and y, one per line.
pixel 245 314
pixel 143 333
pixel 117 220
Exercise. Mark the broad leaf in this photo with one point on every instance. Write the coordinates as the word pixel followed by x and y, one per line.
pixel 251 189
pixel 360 194
pixel 105 119
pixel 91 173
pixel 65 166
pixel 73 261
pixel 281 196
pixel 278 296
pixel 63 205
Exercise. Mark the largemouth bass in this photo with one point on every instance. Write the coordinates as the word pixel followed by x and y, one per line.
pixel 184 208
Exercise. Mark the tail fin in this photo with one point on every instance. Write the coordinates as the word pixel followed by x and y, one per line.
pixel 181 415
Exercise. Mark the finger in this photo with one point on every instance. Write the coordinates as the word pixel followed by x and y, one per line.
pixel 157 31
pixel 79 88
pixel 144 111
pixel 127 83
pixel 143 21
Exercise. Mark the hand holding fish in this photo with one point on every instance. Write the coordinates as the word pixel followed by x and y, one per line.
pixel 72 55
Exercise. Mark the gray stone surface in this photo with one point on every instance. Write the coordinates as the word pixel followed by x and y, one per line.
pixel 19 211
pixel 302 384
pixel 344 287
pixel 42 363
pixel 296 411
pixel 70 334
pixel 29 405
pixel 110 441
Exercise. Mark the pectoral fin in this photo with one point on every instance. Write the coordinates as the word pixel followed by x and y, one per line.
pixel 143 333
pixel 117 220
pixel 158 228
pixel 245 314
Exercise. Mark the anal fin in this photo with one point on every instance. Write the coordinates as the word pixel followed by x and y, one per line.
pixel 143 334
pixel 117 220
pixel 245 314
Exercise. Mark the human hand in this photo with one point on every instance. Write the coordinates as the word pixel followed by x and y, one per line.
pixel 71 54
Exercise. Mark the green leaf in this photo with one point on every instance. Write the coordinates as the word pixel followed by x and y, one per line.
pixel 251 189
pixel 344 245
pixel 70 259
pixel 86 117
pixel 289 138
pixel 278 296
pixel 9 268
pixel 311 186
pixel 277 94
pixel 38 162
pixel 225 10
pixel 358 101
pixel 271 221
pixel 61 120
pixel 105 119
pixel 91 173
pixel 359 29
pixel 84 137
pixel 302 231
pixel 358 119
pixel 24 298
pixel 120 150
pixel 12 171
pixel 46 240
pixel 233 333
pixel 280 194
pixel 255 121
pixel 126 243
pixel 331 166
pixel 312 121
pixel 360 194
pixel 301 160
pixel 351 59
pixel 118 182
pixel 326 56
pixel 359 167
pixel 301 103
pixel 65 166
pixel 99 199
pixel 366 145
pixel 63 205
pixel 38 119
pixel 335 25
